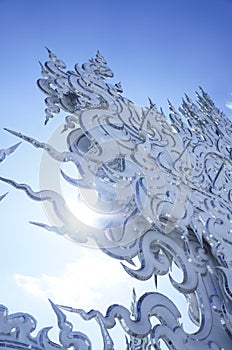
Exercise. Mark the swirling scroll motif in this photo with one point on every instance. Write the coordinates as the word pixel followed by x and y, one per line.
pixel 144 334
pixel 136 181
pixel 158 251
pixel 76 90
pixel 165 190
pixel 16 332
pixel 148 306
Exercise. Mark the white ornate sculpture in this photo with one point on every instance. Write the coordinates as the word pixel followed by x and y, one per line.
pixel 164 195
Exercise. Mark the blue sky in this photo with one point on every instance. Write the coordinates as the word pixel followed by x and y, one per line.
pixel 156 48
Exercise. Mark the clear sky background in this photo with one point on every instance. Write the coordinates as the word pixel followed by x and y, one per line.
pixel 157 48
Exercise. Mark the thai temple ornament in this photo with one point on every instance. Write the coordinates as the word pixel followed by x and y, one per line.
pixel 163 198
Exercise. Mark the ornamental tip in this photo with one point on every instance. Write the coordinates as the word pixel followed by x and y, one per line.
pixel 187 98
pixel 51 302
pixel 161 111
pixel 15 133
pixel 44 71
pixel 152 104
pixel 170 105
pixel 3 196
pixel 201 89
pixel 11 149
pixel 100 57
pixel 99 54
pixel 48 50
pixel 52 56
pixel 50 53
pixel 36 223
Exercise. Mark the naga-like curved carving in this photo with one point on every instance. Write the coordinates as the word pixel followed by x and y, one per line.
pixel 163 194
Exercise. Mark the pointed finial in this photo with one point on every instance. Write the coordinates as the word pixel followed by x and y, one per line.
pixel 171 107
pixel 100 58
pixel 44 71
pixel 152 105
pixel 188 99
pixel 51 55
pixel 3 196
pixel 8 151
pixel 201 89
pixel 58 63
